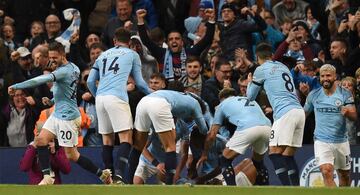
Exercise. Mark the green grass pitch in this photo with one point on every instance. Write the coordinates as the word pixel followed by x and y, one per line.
pixel 168 190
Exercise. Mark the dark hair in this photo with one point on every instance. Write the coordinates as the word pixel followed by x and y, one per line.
pixel 157 34
pixel 173 31
pixel 310 64
pixel 200 101
pixel 97 46
pixel 122 35
pixel 3 26
pixel 196 138
pixel 190 59
pixel 271 13
pixel 227 92
pixel 39 23
pixel 158 75
pixel 221 61
pixel 342 40
pixel 176 86
pixel 287 20
pixel 128 1
pixel 243 78
pixel 56 46
pixel 264 50
pixel 11 98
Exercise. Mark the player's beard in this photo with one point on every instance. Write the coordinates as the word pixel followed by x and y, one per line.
pixel 327 86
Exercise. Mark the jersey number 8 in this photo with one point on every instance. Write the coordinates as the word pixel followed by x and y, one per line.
pixel 288 84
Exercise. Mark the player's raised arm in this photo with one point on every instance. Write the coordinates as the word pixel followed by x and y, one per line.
pixel 34 82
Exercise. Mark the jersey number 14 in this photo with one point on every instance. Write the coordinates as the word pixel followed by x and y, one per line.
pixel 113 66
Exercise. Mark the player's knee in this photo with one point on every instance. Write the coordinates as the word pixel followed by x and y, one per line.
pixel 126 136
pixel 139 144
pixel 169 146
pixel 138 180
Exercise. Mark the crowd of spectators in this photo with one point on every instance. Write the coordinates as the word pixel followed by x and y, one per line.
pixel 176 40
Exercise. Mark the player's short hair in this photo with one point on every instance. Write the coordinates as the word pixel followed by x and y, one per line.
pixel 328 67
pixel 226 92
pixel 264 50
pixel 56 46
pixel 196 138
pixel 122 35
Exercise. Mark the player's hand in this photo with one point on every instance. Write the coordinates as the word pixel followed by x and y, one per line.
pixel 210 13
pixel 161 168
pixel 201 161
pixel 46 101
pixel 11 91
pixel 140 14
